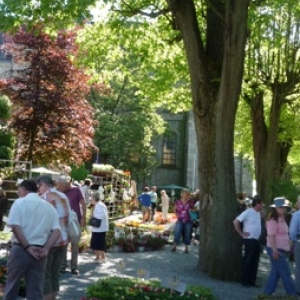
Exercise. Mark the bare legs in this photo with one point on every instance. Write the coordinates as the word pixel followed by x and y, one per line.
pixel 100 254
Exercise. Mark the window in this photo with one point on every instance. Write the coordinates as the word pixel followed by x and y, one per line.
pixel 169 149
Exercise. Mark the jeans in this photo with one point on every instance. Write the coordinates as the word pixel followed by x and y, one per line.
pixel 280 269
pixel 250 261
pixel 297 259
pixel 183 229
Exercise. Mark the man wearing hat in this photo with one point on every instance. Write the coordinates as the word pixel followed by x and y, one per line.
pixel 250 233
pixel 295 237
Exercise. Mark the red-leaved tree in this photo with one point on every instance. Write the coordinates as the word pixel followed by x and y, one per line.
pixel 51 117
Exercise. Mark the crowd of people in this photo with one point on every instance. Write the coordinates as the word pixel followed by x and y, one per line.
pixel 279 233
pixel 39 219
pixel 186 210
pixel 39 222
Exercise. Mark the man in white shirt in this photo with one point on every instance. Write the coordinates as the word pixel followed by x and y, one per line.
pixel 35 228
pixel 250 233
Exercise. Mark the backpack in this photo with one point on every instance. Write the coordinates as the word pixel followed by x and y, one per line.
pixel 73 228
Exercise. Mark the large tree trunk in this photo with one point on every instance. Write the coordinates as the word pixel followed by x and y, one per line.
pixel 216 74
pixel 270 154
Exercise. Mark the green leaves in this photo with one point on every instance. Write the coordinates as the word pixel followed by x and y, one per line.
pixel 54 13
pixel 155 67
pixel 51 117
pixel 127 125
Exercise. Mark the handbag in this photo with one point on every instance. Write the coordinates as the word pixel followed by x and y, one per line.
pixel 73 227
pixel 94 222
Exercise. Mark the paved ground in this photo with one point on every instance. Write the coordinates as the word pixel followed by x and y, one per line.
pixel 160 264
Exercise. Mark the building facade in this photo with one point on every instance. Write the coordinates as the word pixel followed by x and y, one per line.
pixel 177 156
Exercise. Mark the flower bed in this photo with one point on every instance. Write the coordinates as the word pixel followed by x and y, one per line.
pixel 136 289
pixel 157 226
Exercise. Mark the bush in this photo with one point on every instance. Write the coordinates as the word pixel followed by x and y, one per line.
pixel 79 172
pixel 135 289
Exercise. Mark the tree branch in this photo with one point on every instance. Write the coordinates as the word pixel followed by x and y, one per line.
pixel 134 11
pixel 214 7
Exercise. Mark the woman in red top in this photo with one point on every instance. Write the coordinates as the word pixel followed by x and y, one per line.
pixel 184 224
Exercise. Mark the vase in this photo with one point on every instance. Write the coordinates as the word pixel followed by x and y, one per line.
pixel 141 248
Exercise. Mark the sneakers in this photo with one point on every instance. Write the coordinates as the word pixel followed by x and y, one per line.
pixel 75 271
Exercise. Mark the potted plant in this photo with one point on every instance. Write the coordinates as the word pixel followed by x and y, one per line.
pixel 141 243
pixel 118 244
pixel 155 242
pixel 130 245
pixel 84 243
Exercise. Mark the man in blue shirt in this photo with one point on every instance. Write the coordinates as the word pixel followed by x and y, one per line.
pixel 295 237
pixel 145 200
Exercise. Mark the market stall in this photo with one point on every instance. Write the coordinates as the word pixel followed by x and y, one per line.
pixel 116 189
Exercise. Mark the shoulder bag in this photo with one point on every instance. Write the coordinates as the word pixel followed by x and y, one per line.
pixel 94 222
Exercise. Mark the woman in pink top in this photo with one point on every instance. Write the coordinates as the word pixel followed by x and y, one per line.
pixel 278 244
pixel 184 224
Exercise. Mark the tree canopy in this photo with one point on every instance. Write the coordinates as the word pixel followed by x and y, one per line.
pixel 51 117
pixel 127 127
pixel 54 13
pixel 6 137
pixel 271 89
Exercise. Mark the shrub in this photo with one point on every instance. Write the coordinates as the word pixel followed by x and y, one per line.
pixel 135 289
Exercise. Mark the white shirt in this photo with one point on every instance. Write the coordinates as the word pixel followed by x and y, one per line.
pixel 100 212
pixel 86 193
pixel 251 223
pixel 35 216
pixel 153 196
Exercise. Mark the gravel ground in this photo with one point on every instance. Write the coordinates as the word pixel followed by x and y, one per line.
pixel 160 264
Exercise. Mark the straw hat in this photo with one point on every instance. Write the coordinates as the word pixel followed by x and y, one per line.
pixel 280 202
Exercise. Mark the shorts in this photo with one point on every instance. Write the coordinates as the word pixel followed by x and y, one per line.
pixel 145 209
